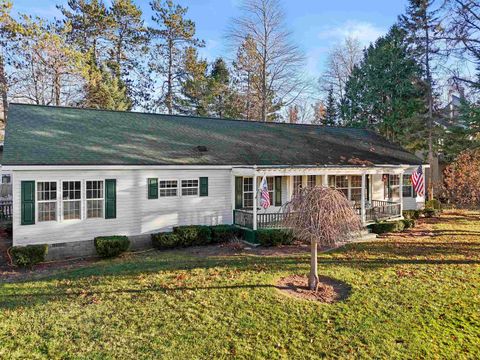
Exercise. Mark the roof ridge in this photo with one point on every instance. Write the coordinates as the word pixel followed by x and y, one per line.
pixel 194 117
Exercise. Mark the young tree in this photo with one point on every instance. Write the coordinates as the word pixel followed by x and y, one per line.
pixel 340 63
pixel 331 113
pixel 462 179
pixel 321 216
pixel 385 91
pixel 173 35
pixel 422 27
pixel 275 55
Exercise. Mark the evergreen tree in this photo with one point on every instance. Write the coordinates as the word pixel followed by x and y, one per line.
pixel 330 110
pixel 220 91
pixel 194 85
pixel 385 91
pixel 174 34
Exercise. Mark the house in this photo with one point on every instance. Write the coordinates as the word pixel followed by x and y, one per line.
pixel 80 173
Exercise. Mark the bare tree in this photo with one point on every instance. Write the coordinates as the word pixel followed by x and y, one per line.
pixel 277 57
pixel 340 63
pixel 321 216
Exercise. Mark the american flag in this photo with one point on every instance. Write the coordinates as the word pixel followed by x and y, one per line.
pixel 264 195
pixel 418 181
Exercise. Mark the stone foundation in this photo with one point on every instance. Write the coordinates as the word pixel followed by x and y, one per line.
pixel 87 248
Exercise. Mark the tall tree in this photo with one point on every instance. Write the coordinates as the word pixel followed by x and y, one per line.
pixel 422 26
pixel 278 58
pixel 385 91
pixel 331 113
pixel 319 113
pixel 172 36
pixel 341 61
pixel 222 96
pixel 194 85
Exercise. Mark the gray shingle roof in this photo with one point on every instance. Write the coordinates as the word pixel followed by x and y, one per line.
pixel 42 135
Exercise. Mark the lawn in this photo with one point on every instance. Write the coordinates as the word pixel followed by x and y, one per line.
pixel 413 295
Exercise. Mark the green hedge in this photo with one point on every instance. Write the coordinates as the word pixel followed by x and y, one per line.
pixel 408 223
pixel 274 237
pixel 110 246
pixel 225 233
pixel 387 227
pixel 193 235
pixel 429 212
pixel 433 204
pixel 26 256
pixel 163 241
pixel 412 214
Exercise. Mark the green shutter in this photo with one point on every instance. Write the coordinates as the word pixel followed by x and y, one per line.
pixel 238 192
pixel 110 199
pixel 28 202
pixel 278 191
pixel 204 186
pixel 153 188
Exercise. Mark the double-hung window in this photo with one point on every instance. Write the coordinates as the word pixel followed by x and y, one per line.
pixel 47 200
pixel 168 188
pixel 95 199
pixel 248 192
pixel 311 181
pixel 394 186
pixel 72 199
pixel 297 184
pixel 408 190
pixel 341 184
pixel 189 187
pixel 271 189
pixel 356 188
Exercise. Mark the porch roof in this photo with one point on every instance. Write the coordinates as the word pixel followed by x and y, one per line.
pixel 47 135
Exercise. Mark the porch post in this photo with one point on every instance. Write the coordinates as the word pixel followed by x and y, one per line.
pixel 362 208
pixel 255 198
pixel 325 180
pixel 401 193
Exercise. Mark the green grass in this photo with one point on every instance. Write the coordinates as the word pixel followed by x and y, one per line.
pixel 412 296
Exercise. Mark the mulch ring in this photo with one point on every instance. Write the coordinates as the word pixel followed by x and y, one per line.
pixel 328 291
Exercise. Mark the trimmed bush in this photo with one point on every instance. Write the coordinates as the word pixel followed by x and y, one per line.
pixel 193 235
pixel 224 233
pixel 408 223
pixel 167 240
pixel 433 204
pixel 429 212
pixel 412 214
pixel 274 237
pixel 387 227
pixel 27 256
pixel 111 246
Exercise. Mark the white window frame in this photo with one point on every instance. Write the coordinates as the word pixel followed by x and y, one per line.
pixel 351 187
pixel 392 187
pixel 297 189
pixel 309 177
pixel 178 188
pixel 247 192
pixel 404 185
pixel 84 201
pixel 37 202
pixel 190 187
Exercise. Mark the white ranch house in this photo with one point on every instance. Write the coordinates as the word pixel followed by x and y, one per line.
pixel 78 173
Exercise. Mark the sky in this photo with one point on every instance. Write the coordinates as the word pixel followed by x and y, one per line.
pixel 316 25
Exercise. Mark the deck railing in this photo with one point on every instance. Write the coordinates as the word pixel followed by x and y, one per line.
pixel 380 210
pixel 5 210
pixel 243 218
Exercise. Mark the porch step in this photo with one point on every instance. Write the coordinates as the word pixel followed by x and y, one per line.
pixel 365 235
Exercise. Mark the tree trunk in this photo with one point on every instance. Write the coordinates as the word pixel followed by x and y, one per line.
pixel 313 277
pixel 3 90
pixel 430 113
pixel 169 99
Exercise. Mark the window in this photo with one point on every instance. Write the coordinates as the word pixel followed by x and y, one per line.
pixel 356 188
pixel 6 179
pixel 311 181
pixel 408 190
pixel 341 184
pixel 297 184
pixel 271 189
pixel 168 188
pixel 189 187
pixel 394 186
pixel 248 192
pixel 71 195
pixel 47 200
pixel 95 199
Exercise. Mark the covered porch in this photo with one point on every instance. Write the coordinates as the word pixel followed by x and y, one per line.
pixel 375 192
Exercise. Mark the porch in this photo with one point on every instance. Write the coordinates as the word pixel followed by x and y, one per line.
pixel 376 193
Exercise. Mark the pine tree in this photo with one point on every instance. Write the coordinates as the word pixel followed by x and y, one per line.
pixel 194 85
pixel 331 114
pixel 174 34
pixel 385 92
pixel 220 91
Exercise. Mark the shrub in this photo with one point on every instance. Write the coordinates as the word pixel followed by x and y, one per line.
pixel 429 212
pixel 224 233
pixel 27 256
pixel 408 223
pixel 434 204
pixel 166 240
pixel 193 235
pixel 386 227
pixel 412 214
pixel 110 246
pixel 274 237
